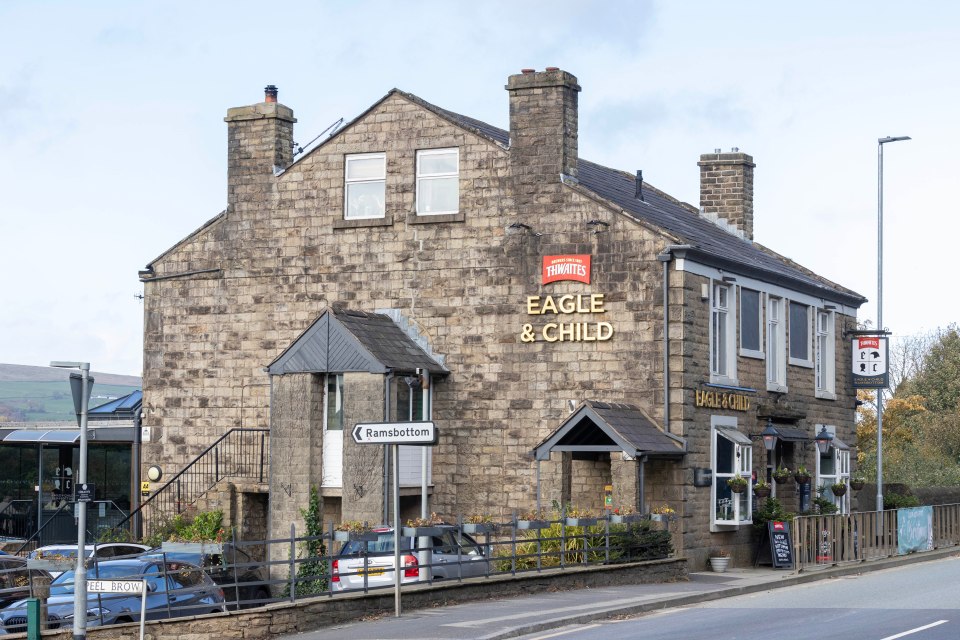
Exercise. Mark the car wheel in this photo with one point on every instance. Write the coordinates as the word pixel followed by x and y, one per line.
pixel 123 620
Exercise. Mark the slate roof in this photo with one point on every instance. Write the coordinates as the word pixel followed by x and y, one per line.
pixel 341 341
pixel 125 408
pixel 601 426
pixel 709 244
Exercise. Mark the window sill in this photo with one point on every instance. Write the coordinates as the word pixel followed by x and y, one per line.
pixel 415 218
pixel 715 379
pixel 363 222
pixel 749 353
pixel 825 395
pixel 797 362
pixel 776 387
pixel 719 526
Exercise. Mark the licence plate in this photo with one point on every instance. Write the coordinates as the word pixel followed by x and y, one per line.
pixel 372 571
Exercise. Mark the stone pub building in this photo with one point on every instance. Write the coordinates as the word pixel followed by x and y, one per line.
pixel 566 325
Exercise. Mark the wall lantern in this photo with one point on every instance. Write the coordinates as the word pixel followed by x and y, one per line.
pixel 824 441
pixel 154 473
pixel 770 436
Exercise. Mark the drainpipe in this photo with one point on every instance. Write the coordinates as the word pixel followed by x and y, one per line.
pixel 386 448
pixel 665 259
pixel 137 461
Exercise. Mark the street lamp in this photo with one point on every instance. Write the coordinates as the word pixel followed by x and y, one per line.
pixel 824 441
pixel 880 143
pixel 80 574
pixel 770 436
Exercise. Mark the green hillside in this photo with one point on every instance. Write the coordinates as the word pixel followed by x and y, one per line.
pixel 42 394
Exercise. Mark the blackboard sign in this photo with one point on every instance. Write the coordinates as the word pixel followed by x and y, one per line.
pixel 781 546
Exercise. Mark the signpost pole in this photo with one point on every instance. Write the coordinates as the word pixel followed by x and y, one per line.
pixel 395 450
pixel 143 607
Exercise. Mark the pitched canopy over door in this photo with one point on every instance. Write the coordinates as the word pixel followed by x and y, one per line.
pixel 602 427
pixel 341 341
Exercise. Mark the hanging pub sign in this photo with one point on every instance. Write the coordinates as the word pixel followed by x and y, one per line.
pixel 870 358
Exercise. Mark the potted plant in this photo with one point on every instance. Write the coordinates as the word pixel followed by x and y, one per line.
pixel 781 474
pixel 353 530
pixel 478 523
pixel 801 475
pixel 663 513
pixel 577 518
pixel 761 488
pixel 719 560
pixel 857 482
pixel 623 515
pixel 838 488
pixel 419 527
pixel 533 520
pixel 737 483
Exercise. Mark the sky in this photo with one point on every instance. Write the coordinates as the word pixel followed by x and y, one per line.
pixel 113 145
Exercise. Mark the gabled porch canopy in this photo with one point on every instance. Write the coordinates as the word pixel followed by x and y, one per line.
pixel 602 427
pixel 342 341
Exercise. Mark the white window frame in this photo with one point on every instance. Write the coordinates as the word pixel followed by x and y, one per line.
pixel 723 334
pixel 332 458
pixel 841 468
pixel 752 353
pixel 826 358
pixel 776 339
pixel 723 426
pixel 348 181
pixel 808 332
pixel 426 177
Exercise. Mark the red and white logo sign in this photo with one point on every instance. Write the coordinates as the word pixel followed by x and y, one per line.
pixel 575 268
pixel 868 343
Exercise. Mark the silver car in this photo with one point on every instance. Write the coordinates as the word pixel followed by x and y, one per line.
pixel 369 564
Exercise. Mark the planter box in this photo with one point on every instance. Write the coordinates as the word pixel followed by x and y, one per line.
pixel 581 522
pixel 208 548
pixel 362 536
pixel 532 524
pixel 625 519
pixel 419 532
pixel 475 528
pixel 64 564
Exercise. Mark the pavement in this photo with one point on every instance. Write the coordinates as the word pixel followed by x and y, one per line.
pixel 497 619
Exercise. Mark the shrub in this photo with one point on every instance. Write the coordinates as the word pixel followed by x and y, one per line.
pixel 899 501
pixel 312 570
pixel 771 510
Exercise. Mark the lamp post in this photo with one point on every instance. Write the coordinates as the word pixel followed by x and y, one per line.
pixel 880 143
pixel 80 577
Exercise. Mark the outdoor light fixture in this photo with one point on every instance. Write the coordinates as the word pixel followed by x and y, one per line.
pixel 824 441
pixel 154 473
pixel 770 436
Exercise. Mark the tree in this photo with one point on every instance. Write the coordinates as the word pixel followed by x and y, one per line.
pixel 938 381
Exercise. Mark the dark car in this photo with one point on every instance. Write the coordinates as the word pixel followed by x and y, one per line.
pixel 243 579
pixel 15 579
pixel 174 589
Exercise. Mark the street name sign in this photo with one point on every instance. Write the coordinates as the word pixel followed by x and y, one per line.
pixel 870 357
pixel 416 433
pixel 115 586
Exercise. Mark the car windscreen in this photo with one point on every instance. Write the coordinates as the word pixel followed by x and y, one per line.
pixel 383 544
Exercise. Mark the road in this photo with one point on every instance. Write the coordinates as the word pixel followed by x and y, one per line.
pixel 914 602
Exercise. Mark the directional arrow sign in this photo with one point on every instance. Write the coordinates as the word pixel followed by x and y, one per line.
pixel 422 433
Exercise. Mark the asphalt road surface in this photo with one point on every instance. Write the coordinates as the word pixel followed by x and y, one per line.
pixel 915 602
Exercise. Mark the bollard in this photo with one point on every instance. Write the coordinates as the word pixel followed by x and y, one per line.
pixel 33 619
pixel 40 588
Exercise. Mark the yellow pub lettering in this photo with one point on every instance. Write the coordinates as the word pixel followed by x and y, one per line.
pixel 720 400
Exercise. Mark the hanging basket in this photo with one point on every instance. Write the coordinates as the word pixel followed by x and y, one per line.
pixel 839 489
pixel 781 478
pixel 761 492
pixel 801 478
pixel 857 484
pixel 738 488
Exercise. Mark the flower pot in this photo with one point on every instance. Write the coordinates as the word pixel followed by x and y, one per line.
pixel 422 532
pixel 479 527
pixel 581 522
pixel 719 565
pixel 362 536
pixel 626 518
pixel 532 524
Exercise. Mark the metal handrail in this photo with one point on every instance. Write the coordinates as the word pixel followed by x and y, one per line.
pixel 240 458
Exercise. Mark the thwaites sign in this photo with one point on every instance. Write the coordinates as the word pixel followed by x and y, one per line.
pixel 870 358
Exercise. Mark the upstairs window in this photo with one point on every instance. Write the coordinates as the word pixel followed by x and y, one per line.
pixel 723 361
pixel 751 324
pixel 365 178
pixel 800 352
pixel 776 346
pixel 825 364
pixel 438 182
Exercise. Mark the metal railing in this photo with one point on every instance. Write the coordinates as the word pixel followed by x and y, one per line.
pixel 59 526
pixel 239 453
pixel 828 540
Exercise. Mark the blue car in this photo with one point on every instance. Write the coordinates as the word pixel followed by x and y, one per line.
pixel 174 589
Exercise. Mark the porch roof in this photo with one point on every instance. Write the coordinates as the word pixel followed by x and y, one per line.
pixel 599 426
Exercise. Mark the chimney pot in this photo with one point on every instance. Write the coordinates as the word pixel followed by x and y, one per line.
pixel 734 149
pixel 553 68
pixel 716 150
pixel 270 93
pixel 527 71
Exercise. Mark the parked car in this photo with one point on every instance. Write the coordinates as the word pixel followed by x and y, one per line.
pixel 104 551
pixel 15 579
pixel 243 579
pixel 174 589
pixel 452 555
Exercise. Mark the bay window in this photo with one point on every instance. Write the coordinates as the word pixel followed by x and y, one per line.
pixel 731 454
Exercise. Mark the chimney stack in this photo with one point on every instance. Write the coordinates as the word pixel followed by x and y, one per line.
pixel 543 128
pixel 726 188
pixel 259 138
